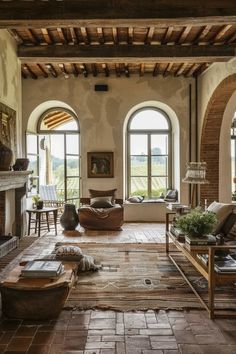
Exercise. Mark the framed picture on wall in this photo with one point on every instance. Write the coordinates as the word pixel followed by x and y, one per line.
pixel 100 164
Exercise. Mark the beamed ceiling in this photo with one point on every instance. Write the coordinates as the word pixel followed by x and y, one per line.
pixel 83 38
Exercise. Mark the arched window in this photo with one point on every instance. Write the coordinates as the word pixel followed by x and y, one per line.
pixel 233 157
pixel 149 153
pixel 54 153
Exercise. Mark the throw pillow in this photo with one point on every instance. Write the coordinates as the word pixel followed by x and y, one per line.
pixel 69 253
pixel 101 202
pixel 87 263
pixel 136 199
pixel 98 193
pixel 222 211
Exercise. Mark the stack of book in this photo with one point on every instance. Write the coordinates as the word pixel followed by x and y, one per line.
pixel 177 207
pixel 42 269
pixel 180 235
pixel 193 242
pixel 224 263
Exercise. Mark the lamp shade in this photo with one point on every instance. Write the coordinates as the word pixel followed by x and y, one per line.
pixel 196 173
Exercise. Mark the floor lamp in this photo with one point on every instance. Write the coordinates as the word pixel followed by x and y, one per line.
pixel 195 174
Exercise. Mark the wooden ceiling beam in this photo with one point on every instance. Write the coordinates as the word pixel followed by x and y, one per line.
pixel 32 36
pixel 47 36
pixel 149 35
pixel 221 34
pixel 45 74
pixel 58 122
pixel 26 68
pixel 84 70
pixel 125 53
pixel 130 35
pixel 106 70
pixel 74 38
pixel 115 35
pixel 126 13
pixel 100 35
pixel 54 117
pixel 184 34
pixel 117 69
pixel 51 69
pixel 75 70
pixel 94 70
pixel 141 69
pixel 155 70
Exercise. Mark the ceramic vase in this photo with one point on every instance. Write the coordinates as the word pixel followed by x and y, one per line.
pixel 69 219
pixel 5 157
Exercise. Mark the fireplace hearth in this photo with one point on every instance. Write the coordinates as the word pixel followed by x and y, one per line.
pixel 7 244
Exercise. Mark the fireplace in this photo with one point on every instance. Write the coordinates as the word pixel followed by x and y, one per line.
pixel 13 183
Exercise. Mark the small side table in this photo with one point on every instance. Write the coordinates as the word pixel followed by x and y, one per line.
pixel 38 213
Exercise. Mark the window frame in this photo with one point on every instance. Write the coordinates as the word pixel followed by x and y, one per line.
pixel 149 133
pixel 65 134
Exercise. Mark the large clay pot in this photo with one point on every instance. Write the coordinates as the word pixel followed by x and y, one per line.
pixel 5 157
pixel 69 219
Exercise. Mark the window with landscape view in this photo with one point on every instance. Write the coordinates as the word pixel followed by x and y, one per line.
pixel 54 154
pixel 149 153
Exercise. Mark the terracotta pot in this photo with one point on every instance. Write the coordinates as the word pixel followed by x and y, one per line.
pixel 69 219
pixel 5 157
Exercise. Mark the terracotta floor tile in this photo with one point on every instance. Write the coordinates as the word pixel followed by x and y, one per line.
pixel 39 349
pixel 43 338
pixel 6 337
pixel 19 344
pixel 26 331
pixel 74 343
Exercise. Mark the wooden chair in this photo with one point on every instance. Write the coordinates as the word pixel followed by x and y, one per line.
pixel 48 194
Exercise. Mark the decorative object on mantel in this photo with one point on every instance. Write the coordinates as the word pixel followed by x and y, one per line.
pixel 69 219
pixel 195 174
pixel 5 157
pixel 21 164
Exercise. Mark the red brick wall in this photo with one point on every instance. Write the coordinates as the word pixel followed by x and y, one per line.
pixel 210 139
pixel 2 213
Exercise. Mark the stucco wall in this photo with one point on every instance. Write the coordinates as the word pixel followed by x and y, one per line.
pixel 10 95
pixel 10 79
pixel 102 114
pixel 208 82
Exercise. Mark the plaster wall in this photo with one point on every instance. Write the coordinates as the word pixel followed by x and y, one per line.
pixel 208 82
pixel 10 80
pixel 102 115
pixel 10 95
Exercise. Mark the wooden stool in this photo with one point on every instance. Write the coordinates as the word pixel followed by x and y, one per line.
pixel 38 213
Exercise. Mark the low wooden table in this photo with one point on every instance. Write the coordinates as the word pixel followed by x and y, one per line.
pixel 38 298
pixel 38 218
pixel 208 272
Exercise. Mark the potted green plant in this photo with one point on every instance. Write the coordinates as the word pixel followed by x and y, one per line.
pixel 38 202
pixel 197 223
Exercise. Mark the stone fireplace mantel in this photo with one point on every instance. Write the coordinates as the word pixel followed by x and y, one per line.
pixel 13 179
pixel 17 181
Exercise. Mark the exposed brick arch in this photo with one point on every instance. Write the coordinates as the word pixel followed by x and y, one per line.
pixel 210 139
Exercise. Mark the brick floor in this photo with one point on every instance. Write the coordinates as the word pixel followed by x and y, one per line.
pixel 110 332
pixel 45 337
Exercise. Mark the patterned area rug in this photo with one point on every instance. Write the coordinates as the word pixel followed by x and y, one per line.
pixel 140 277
